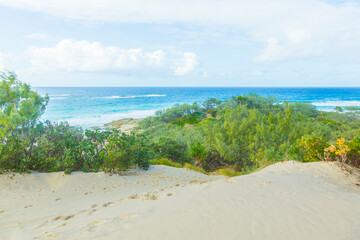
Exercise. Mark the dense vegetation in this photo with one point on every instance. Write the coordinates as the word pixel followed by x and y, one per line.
pixel 238 135
pixel 28 144
pixel 250 131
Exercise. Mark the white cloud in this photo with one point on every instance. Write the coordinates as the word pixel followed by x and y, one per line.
pixel 296 47
pixel 286 28
pixel 185 65
pixel 71 55
pixel 38 36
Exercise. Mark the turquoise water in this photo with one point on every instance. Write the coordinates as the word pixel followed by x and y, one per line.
pixel 88 107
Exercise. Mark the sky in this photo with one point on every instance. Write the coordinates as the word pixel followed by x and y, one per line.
pixel 230 43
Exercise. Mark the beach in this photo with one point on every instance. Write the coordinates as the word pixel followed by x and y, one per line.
pixel 287 200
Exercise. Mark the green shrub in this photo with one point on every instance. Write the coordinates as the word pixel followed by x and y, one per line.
pixel 198 152
pixel 178 111
pixel 170 149
pixel 228 172
pixel 191 119
pixel 353 156
pixel 125 151
pixel 166 162
pixel 313 147
pixel 195 168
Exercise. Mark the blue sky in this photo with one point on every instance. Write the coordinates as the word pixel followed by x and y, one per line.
pixel 182 42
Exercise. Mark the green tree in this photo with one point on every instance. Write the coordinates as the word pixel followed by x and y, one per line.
pixel 20 107
pixel 338 109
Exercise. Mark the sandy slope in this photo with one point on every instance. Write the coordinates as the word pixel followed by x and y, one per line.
pixel 288 200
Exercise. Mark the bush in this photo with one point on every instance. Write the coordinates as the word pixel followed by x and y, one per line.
pixel 178 111
pixel 53 147
pixel 195 168
pixel 166 162
pixel 313 148
pixel 198 152
pixel 354 154
pixel 191 119
pixel 170 149
pixel 229 172
pixel 125 151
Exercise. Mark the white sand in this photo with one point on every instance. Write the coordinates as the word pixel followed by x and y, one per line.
pixel 288 200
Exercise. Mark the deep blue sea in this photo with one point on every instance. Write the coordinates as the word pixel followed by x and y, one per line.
pixel 88 107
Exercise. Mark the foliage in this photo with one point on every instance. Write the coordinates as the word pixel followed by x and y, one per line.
pixel 313 146
pixel 60 147
pixel 192 118
pixel 166 162
pixel 249 131
pixel 353 156
pixel 170 149
pixel 198 152
pixel 341 151
pixel 238 135
pixel 124 151
pixel 352 108
pixel 338 109
pixel 229 172
pixel 20 107
pixel 338 150
pixel 53 147
pixel 210 104
pixel 178 111
pixel 195 168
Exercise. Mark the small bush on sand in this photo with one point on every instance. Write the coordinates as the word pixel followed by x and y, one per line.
pixel 194 168
pixel 170 149
pixel 228 171
pixel 125 151
pixel 166 162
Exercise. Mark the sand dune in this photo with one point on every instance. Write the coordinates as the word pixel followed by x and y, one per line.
pixel 287 200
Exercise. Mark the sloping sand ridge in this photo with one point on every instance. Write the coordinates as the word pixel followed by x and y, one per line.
pixel 289 200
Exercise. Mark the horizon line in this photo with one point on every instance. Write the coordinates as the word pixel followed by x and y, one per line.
pixel 196 86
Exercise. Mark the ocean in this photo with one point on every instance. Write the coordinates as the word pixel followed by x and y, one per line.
pixel 88 107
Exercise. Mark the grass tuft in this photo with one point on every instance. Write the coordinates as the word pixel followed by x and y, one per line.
pixel 195 168
pixel 166 162
pixel 229 172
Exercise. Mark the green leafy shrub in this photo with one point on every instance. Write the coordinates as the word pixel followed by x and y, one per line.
pixel 313 147
pixel 52 147
pixel 228 171
pixel 166 162
pixel 195 168
pixel 352 108
pixel 170 149
pixel 191 119
pixel 198 152
pixel 210 104
pixel 125 151
pixel 354 153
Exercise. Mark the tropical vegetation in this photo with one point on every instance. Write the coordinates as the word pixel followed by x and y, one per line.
pixel 231 137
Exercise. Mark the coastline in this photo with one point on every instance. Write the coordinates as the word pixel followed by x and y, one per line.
pixel 89 107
